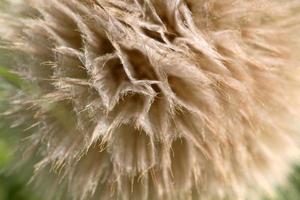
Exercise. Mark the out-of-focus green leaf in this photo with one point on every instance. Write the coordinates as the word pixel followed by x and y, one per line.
pixel 12 78
pixel 4 153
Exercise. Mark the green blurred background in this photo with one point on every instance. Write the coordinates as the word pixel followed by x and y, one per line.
pixel 13 183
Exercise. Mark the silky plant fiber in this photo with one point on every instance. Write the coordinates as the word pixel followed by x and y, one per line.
pixel 156 99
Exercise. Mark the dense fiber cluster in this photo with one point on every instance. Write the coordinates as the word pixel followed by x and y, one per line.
pixel 158 99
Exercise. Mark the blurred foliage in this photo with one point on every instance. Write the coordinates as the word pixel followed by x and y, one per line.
pixel 13 184
pixel 292 190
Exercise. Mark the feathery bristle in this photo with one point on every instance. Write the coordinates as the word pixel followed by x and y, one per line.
pixel 159 99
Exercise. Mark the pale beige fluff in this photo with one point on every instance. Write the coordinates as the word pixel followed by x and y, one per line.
pixel 158 99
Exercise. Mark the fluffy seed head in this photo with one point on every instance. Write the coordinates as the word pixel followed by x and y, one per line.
pixel 158 99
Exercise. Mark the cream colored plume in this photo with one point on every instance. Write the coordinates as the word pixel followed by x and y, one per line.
pixel 158 99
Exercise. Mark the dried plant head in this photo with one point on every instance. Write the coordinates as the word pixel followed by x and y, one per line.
pixel 157 99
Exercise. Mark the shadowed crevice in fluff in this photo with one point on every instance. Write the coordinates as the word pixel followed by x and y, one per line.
pixel 158 99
